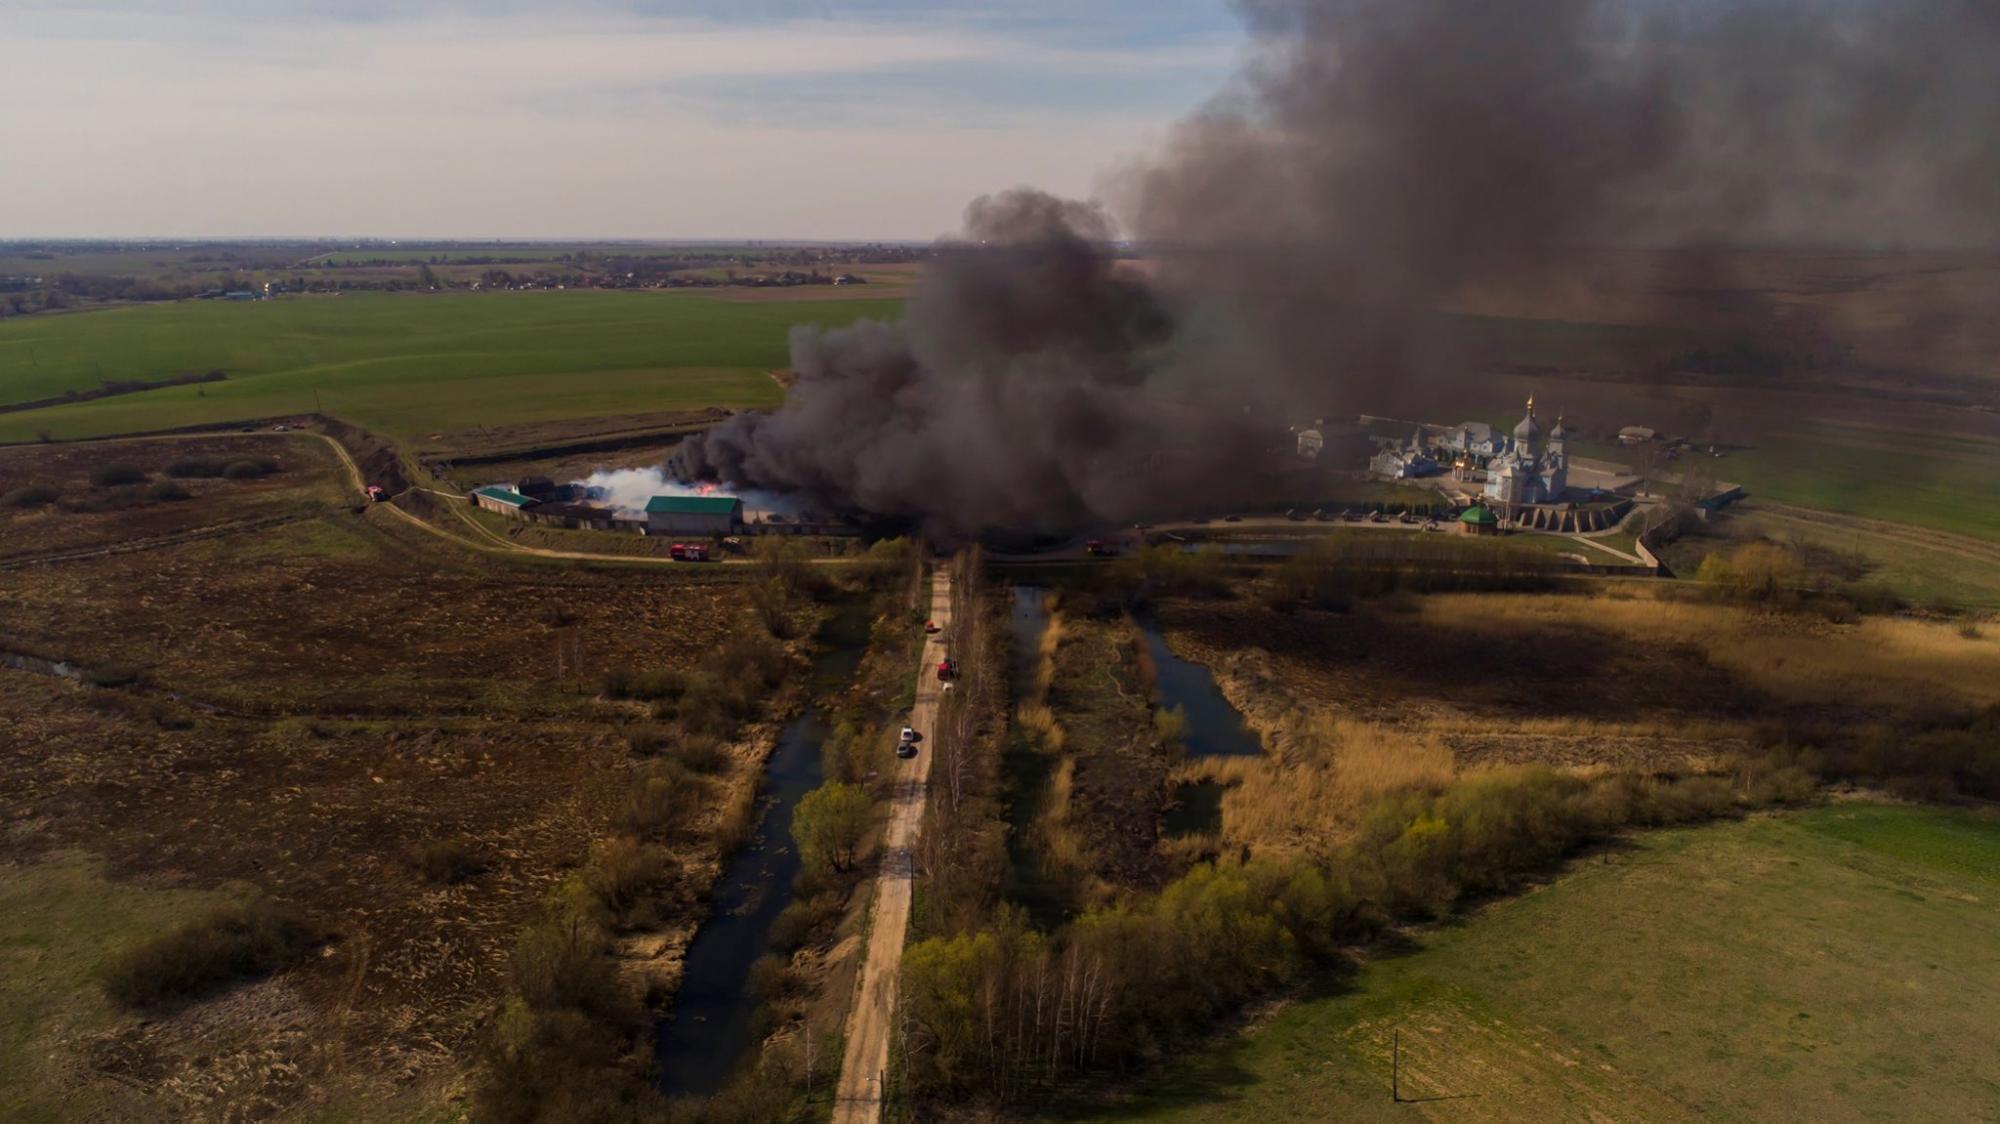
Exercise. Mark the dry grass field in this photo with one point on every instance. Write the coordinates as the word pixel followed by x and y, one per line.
pixel 1087 820
pixel 83 516
pixel 302 709
pixel 1417 691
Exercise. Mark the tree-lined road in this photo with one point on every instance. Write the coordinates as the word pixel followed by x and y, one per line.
pixel 858 1099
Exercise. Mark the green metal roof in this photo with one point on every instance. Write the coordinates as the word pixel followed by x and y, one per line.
pixel 1481 515
pixel 508 496
pixel 692 505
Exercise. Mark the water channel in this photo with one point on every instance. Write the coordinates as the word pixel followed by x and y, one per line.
pixel 1214 727
pixel 708 1030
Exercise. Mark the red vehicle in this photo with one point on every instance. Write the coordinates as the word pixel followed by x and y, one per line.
pixel 688 552
pixel 1095 548
pixel 376 494
pixel 947 670
pixel 931 628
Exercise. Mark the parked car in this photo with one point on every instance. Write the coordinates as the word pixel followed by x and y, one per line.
pixel 906 750
pixel 910 735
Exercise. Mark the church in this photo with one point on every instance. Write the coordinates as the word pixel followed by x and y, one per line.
pixel 1529 470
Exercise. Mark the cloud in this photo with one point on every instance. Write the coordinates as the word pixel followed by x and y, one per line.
pixel 232 118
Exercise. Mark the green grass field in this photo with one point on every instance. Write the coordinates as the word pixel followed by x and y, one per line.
pixel 59 920
pixel 1837 964
pixel 1936 480
pixel 405 364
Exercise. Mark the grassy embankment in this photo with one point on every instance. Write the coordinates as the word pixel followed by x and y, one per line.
pixel 405 365
pixel 1832 964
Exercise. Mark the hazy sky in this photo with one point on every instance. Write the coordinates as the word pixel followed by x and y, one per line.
pixel 668 118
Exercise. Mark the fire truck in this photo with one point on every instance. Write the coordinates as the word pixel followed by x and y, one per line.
pixel 688 552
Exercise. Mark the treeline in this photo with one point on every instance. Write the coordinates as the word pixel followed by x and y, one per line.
pixel 1334 573
pixel 1779 577
pixel 111 388
pixel 1004 1012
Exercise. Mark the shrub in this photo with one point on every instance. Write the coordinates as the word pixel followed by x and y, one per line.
pixel 31 495
pixel 117 473
pixel 622 873
pixel 649 740
pixel 449 861
pixel 830 823
pixel 702 754
pixel 757 658
pixel 805 918
pixel 660 798
pixel 1873 597
pixel 1970 630
pixel 111 675
pixel 166 491
pixel 236 941
pixel 559 963
pixel 644 686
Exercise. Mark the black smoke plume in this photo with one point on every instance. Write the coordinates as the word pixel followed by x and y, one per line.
pixel 1373 161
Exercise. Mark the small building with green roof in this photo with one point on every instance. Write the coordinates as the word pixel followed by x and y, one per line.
pixel 1479 520
pixel 500 498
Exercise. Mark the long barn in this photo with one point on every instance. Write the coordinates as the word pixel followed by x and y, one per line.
pixel 693 515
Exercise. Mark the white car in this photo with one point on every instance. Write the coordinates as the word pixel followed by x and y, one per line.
pixel 910 735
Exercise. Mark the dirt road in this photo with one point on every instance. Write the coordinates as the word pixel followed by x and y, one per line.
pixel 858 1099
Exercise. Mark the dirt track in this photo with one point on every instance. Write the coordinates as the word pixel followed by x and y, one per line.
pixel 863 1070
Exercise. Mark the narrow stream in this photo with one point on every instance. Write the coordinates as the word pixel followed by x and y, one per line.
pixel 1214 727
pixel 708 1031
pixel 1048 902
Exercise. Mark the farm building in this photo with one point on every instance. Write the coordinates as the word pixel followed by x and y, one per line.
pixel 505 500
pixel 693 515
pixel 581 517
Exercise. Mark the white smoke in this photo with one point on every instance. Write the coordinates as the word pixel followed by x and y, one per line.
pixel 628 489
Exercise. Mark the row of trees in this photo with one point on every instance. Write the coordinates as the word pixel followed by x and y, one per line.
pixel 1004 1012
pixel 1333 573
